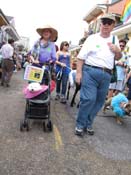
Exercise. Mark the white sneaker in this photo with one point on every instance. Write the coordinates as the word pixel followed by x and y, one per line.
pixel 79 131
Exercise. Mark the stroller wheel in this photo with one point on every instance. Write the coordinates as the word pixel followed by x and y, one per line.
pixel 24 125
pixel 27 125
pixel 44 126
pixel 21 126
pixel 50 125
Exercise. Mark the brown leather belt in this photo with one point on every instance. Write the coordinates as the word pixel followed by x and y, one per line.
pixel 101 68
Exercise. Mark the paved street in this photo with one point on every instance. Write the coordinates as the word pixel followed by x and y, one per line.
pixel 60 152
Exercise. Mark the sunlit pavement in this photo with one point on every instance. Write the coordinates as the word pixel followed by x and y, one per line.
pixel 60 152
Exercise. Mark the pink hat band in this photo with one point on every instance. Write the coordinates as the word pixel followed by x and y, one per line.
pixel 31 94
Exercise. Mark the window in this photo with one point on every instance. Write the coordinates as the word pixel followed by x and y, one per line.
pixel 113 1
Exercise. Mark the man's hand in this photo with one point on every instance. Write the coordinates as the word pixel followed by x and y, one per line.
pixel 116 50
pixel 79 71
pixel 113 48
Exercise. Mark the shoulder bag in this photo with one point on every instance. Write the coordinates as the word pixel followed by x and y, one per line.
pixel 114 70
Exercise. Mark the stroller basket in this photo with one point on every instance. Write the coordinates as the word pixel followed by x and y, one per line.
pixel 37 110
pixel 39 105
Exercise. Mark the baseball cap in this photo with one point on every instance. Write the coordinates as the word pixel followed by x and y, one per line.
pixel 108 16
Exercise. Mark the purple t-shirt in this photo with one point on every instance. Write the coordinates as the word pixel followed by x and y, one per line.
pixel 44 53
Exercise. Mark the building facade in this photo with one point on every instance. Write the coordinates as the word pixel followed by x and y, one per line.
pixel 7 28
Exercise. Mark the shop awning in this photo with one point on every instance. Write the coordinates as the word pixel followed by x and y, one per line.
pixel 94 13
pixel 3 21
pixel 122 29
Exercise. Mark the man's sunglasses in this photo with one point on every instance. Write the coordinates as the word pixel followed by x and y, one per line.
pixel 107 21
pixel 122 45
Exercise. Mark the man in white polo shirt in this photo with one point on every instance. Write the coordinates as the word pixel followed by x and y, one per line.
pixel 7 51
pixel 94 68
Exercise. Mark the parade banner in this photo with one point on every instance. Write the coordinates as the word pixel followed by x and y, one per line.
pixel 33 73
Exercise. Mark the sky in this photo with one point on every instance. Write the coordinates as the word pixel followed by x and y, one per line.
pixel 64 15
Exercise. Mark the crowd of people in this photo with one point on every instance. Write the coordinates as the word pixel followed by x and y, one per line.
pixel 95 62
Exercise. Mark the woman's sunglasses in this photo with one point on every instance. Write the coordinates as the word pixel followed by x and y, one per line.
pixel 66 44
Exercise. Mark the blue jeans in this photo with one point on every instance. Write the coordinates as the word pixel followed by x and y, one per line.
pixel 129 92
pixel 94 88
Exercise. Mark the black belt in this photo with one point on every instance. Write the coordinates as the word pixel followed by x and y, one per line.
pixel 8 59
pixel 101 68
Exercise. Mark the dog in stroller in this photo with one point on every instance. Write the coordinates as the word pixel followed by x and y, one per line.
pixel 38 102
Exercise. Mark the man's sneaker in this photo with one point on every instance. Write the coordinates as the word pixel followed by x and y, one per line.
pixel 63 100
pixel 57 97
pixel 108 107
pixel 79 132
pixel 7 85
pixel 2 84
pixel 89 131
pixel 15 70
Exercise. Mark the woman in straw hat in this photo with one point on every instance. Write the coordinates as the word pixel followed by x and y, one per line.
pixel 44 50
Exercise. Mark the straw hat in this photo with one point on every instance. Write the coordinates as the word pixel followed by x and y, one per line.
pixel 34 89
pixel 54 33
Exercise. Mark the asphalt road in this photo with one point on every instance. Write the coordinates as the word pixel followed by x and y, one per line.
pixel 60 152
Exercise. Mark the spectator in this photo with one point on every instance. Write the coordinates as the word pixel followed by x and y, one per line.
pixel 27 60
pixel 7 52
pixel 63 69
pixel 121 65
pixel 82 40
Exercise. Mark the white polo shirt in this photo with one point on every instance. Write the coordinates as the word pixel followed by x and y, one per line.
pixel 96 52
